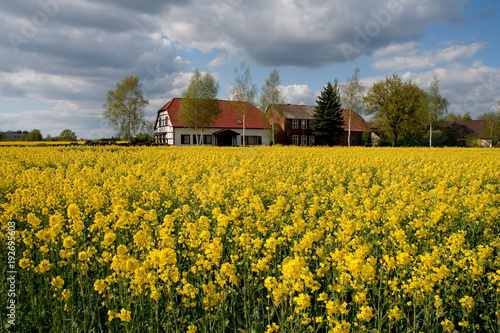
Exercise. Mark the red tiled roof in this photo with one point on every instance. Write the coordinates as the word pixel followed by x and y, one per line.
pixel 358 124
pixel 227 119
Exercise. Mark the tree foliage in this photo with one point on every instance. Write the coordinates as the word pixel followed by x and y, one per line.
pixel 273 101
pixel 327 118
pixel 199 107
pixel 124 108
pixel 67 135
pixel 436 107
pixel 352 99
pixel 492 130
pixel 243 93
pixel 34 135
pixel 394 105
pixel 457 117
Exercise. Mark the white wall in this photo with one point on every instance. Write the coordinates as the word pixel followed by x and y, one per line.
pixel 264 133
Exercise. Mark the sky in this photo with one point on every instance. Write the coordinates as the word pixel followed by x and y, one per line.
pixel 59 58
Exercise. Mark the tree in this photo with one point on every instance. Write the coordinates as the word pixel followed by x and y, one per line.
pixel 436 108
pixel 124 108
pixel 492 130
pixel 34 135
pixel 327 119
pixel 273 101
pixel 243 93
pixel 394 104
pixel 457 117
pixel 352 99
pixel 67 135
pixel 199 107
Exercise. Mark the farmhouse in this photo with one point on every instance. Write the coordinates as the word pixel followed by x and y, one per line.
pixel 227 130
pixel 296 128
pixel 467 128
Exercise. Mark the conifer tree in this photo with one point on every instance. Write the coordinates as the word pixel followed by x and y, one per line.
pixel 327 118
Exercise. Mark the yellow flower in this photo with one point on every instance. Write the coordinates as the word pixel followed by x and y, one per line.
pixel 66 294
pixel 124 315
pixel 467 303
pixel 69 242
pixel 192 329
pixel 57 282
pixel 395 313
pixel 82 256
pixel 365 313
pixel 448 326
pixel 100 286
pixel 24 263
pixel 109 238
pixel 121 249
pixel 44 266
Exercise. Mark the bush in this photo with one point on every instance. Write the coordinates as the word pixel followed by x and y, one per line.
pixel 367 138
pixel 142 139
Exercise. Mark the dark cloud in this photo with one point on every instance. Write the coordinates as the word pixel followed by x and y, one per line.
pixel 308 33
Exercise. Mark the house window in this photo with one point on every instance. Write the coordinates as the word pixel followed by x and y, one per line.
pixel 342 141
pixel 238 121
pixel 303 140
pixel 194 139
pixel 295 139
pixel 185 139
pixel 311 124
pixel 253 140
pixel 207 139
pixel 353 141
pixel 311 140
pixel 304 124
pixel 295 124
pixel 471 131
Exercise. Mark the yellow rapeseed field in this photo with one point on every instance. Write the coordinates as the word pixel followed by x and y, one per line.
pixel 265 239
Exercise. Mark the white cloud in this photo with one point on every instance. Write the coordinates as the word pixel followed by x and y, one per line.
pixel 300 94
pixel 474 89
pixel 423 59
pixel 408 48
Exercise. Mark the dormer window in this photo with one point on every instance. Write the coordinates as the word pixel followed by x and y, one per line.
pixel 238 121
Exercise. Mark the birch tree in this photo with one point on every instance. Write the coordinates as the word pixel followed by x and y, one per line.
pixel 352 99
pixel 124 107
pixel 199 106
pixel 273 101
pixel 437 106
pixel 243 93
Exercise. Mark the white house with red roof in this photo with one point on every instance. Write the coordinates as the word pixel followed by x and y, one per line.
pixel 227 130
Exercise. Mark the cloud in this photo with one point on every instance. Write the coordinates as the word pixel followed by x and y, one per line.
pixel 300 94
pixel 408 48
pixel 70 53
pixel 474 89
pixel 424 59
pixel 306 33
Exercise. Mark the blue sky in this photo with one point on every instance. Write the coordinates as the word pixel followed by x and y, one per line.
pixel 60 57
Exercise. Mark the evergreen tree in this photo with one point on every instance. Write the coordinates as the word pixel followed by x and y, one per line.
pixel 327 119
